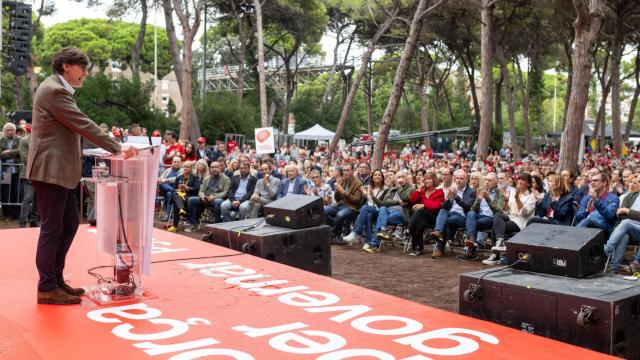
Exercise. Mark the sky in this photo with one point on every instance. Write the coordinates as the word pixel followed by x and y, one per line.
pixel 70 10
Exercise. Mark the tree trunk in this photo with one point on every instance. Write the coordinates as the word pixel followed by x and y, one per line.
pixel 436 109
pixel 634 100
pixel 486 29
pixel 272 112
pixel 600 122
pixel 499 125
pixel 241 55
pixel 587 26
pixel 332 72
pixel 189 128
pixel 511 108
pixel 264 119
pixel 137 47
pixel 568 50
pixel 288 92
pixel 369 102
pixel 470 71
pixel 32 80
pixel 616 58
pixel 525 91
pixel 398 83
pixel 424 116
pixel 353 90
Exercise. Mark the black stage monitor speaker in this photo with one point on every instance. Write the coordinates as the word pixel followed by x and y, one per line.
pixel 307 249
pixel 601 312
pixel 295 211
pixel 558 250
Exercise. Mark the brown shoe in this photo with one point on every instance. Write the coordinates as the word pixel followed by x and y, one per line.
pixel 436 235
pixel 72 291
pixel 437 253
pixel 57 296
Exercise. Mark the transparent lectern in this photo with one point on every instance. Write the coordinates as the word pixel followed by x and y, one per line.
pixel 124 202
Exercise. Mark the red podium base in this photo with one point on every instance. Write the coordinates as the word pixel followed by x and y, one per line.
pixel 215 303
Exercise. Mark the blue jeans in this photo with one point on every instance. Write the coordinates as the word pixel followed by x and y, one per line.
pixel 447 223
pixel 595 223
pixel 336 216
pixel 385 217
pixel 365 220
pixel 477 222
pixel 166 189
pixel 627 231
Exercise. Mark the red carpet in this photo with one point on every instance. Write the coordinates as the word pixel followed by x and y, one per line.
pixel 216 308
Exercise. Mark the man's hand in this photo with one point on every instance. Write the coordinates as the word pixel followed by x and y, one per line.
pixel 235 203
pixel 254 197
pixel 129 151
pixel 339 188
pixel 591 205
pixel 622 211
pixel 417 207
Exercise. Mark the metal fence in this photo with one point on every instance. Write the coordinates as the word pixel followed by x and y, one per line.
pixel 11 191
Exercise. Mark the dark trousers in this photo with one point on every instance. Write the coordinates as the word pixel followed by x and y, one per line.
pixel 503 225
pixel 419 221
pixel 539 220
pixel 29 208
pixel 59 220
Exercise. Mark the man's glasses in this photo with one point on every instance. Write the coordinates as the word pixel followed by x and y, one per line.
pixel 265 170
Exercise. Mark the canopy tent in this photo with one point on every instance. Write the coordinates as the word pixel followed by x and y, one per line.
pixel 316 132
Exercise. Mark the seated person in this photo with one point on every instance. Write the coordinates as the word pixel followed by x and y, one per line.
pixel 265 192
pixel 187 185
pixel 598 207
pixel 489 201
pixel 426 202
pixel 213 192
pixel 348 197
pixel 628 230
pixel 317 187
pixel 369 211
pixel 452 216
pixel 292 184
pixel 166 181
pixel 242 187
pixel 517 212
pixel 556 207
pixel 394 210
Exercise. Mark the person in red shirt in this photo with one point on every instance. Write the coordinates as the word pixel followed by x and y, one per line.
pixel 190 152
pixel 173 148
pixel 231 145
pixel 426 202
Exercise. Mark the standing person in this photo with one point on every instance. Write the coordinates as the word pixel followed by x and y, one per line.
pixel 9 154
pixel 54 167
pixel 29 208
pixel 173 148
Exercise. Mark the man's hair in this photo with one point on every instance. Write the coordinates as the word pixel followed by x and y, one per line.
pixel 9 125
pixel 171 133
pixel 68 55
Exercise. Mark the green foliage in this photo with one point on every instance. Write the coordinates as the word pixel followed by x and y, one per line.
pixel 218 114
pixel 134 99
pixel 103 40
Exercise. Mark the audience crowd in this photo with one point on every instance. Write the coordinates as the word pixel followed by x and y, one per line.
pixel 416 194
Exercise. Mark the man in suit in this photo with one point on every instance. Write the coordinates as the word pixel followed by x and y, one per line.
pixel 265 192
pixel 242 187
pixel 54 167
pixel 292 184
pixel 452 216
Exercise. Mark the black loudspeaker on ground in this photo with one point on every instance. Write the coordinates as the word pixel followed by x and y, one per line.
pixel 307 249
pixel 295 212
pixel 558 250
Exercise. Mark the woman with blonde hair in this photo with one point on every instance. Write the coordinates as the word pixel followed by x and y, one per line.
pixel 556 207
pixel 201 169
pixel 476 181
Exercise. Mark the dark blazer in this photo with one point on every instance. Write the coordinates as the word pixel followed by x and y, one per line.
pixel 235 182
pixel 55 154
pixel 193 184
pixel 467 200
pixel 207 153
pixel 298 187
pixel 14 153
pixel 563 210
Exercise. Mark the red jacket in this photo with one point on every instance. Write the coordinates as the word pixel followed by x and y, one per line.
pixel 433 203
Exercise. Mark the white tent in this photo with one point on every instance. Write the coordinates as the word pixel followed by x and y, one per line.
pixel 316 132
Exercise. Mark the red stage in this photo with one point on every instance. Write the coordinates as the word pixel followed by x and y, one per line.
pixel 236 306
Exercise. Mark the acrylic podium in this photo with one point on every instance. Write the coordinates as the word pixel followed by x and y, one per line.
pixel 125 200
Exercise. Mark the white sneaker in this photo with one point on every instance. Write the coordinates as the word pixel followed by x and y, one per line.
pixel 493 259
pixel 350 238
pixel 366 246
pixel 500 245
